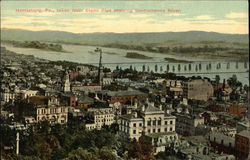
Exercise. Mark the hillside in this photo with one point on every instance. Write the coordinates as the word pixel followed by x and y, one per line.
pixel 120 38
pixel 188 44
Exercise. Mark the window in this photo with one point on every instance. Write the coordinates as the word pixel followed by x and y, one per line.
pixel 159 130
pixel 148 130
pixel 222 141
pixel 134 131
pixel 140 124
pixel 154 122
pixel 170 129
pixel 166 122
pixel 149 123
pixel 134 124
pixel 153 130
pixel 159 122
pixel 165 129
pixel 171 122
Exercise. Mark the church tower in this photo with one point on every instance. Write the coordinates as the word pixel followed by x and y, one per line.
pixel 66 86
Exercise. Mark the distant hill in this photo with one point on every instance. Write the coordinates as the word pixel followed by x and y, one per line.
pixel 121 38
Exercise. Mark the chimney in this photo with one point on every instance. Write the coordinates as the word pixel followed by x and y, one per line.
pixel 96 97
pixel 160 107
pixel 186 111
pixel 136 105
pixel 168 111
pixel 143 108
pixel 135 114
pixel 152 104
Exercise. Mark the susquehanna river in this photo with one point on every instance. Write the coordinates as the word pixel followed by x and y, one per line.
pixel 113 57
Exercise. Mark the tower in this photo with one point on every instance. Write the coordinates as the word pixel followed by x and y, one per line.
pixel 66 86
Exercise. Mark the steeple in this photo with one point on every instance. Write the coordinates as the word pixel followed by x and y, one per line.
pixel 100 69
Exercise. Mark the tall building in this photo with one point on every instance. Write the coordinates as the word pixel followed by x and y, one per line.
pixel 199 89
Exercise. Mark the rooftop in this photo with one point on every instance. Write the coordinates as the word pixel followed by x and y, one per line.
pixel 156 135
pixel 121 93
pixel 245 133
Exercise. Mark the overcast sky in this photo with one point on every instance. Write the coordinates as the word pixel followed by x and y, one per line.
pixel 215 16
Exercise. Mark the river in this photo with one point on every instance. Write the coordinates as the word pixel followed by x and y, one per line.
pixel 113 57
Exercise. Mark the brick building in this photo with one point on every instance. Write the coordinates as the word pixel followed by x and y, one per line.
pixel 242 142
pixel 236 110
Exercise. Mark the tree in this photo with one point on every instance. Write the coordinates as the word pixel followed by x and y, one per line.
pixel 141 149
pixel 234 83
pixel 81 154
pixel 217 79
pixel 107 154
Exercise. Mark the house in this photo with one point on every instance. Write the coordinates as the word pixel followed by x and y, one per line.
pixel 222 143
pixel 28 93
pixel 161 141
pixel 49 108
pixel 186 123
pixel 99 115
pixel 53 114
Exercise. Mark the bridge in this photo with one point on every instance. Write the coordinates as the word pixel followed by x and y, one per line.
pixel 191 68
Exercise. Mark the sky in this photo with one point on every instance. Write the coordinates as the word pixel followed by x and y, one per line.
pixel 126 16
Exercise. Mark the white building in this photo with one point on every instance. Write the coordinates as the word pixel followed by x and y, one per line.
pixel 54 114
pixel 8 96
pixel 28 93
pixel 100 116
pixel 187 123
pixel 149 120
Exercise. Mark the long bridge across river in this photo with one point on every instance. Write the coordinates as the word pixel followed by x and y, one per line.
pixel 203 67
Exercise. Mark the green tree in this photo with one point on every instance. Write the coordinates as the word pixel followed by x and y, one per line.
pixel 81 154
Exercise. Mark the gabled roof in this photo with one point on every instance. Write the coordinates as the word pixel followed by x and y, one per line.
pixel 85 99
pixel 245 133
pixel 152 109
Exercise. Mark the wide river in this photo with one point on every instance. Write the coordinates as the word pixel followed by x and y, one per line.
pixel 113 57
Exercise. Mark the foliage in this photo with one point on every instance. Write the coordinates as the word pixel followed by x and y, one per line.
pixel 141 149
